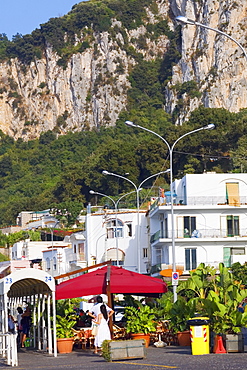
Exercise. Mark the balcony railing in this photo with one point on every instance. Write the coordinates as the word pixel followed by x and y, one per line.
pixel 198 234
pixel 195 201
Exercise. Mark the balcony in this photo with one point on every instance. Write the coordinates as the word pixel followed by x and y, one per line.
pixel 197 234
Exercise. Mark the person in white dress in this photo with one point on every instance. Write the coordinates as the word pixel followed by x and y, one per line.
pixel 103 328
pixel 96 308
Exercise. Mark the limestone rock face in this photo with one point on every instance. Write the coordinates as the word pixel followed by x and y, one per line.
pixel 216 63
pixel 92 90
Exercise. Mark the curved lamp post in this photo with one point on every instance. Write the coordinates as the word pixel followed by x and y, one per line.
pixel 137 189
pixel 116 213
pixel 185 20
pixel 171 148
pixel 52 247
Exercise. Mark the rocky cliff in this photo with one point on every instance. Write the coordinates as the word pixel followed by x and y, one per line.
pixel 91 89
pixel 216 63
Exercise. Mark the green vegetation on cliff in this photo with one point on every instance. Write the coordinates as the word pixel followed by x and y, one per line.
pixel 52 171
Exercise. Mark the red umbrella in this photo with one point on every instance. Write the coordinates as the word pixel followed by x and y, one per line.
pixel 119 281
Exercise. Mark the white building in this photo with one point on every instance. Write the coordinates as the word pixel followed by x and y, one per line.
pixel 56 257
pixel 210 222
pixel 27 250
pixel 111 235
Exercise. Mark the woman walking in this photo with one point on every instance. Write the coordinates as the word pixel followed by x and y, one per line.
pixel 103 328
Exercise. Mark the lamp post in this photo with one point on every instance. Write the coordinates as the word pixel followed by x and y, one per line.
pixel 137 189
pixel 116 213
pixel 170 149
pixel 52 245
pixel 185 20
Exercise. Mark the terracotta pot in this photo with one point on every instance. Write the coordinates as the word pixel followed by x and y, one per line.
pixel 184 338
pixel 146 337
pixel 65 345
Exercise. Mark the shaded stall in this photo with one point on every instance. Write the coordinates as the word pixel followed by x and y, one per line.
pixel 37 288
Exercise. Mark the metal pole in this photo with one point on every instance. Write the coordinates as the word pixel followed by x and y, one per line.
pixel 185 20
pixel 116 218
pixel 138 212
pixel 170 148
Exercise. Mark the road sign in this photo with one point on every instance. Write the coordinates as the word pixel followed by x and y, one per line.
pixel 175 278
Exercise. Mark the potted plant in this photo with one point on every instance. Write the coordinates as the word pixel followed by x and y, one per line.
pixel 220 303
pixel 140 322
pixel 180 313
pixel 65 320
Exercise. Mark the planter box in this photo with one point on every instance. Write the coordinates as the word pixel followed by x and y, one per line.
pixel 184 338
pixel 234 342
pixel 127 349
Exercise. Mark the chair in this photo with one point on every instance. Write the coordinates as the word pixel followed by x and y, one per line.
pixel 118 333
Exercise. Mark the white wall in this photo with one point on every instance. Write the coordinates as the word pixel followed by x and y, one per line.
pixel 209 188
pixel 98 243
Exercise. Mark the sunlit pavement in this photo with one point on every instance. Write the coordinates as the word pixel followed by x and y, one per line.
pixel 172 357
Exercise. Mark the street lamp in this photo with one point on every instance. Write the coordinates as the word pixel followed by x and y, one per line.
pixel 185 20
pixel 116 213
pixel 171 148
pixel 52 245
pixel 137 189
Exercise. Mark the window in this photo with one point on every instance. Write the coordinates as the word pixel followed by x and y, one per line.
pixel 189 226
pixel 190 259
pixel 48 264
pixel 120 263
pixel 232 194
pixel 145 252
pixel 54 263
pixel 232 225
pixel 81 248
pixel 158 256
pixel 75 251
pixel 114 228
pixel 129 225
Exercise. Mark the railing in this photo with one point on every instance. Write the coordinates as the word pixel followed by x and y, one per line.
pixel 155 237
pixel 155 268
pixel 198 234
pixel 8 348
pixel 202 201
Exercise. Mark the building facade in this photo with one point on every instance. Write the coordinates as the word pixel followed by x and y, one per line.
pixel 120 236
pixel 210 222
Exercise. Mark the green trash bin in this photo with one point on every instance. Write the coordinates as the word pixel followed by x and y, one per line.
pixel 199 335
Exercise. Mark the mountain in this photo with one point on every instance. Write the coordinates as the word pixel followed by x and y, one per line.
pixel 80 71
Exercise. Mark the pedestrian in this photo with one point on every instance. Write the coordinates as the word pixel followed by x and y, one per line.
pixel 19 326
pixel 11 323
pixel 25 323
pixel 103 328
pixel 95 311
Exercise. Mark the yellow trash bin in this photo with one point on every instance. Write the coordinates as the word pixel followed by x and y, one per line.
pixel 199 334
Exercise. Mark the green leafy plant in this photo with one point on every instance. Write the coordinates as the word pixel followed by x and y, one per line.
pixel 65 318
pixel 180 313
pixel 105 348
pixel 140 320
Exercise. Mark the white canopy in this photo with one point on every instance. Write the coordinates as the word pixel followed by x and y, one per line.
pixel 37 288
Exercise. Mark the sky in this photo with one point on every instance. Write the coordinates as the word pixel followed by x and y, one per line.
pixel 24 16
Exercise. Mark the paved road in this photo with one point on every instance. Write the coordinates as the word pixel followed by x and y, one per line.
pixel 157 359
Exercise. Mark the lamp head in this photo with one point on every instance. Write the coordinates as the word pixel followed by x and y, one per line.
pixel 91 192
pixel 210 126
pixel 184 20
pixel 129 123
pixel 105 173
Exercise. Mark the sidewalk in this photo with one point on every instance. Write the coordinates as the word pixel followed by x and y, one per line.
pixel 172 357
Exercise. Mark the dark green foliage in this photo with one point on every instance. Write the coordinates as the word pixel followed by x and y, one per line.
pixel 59 172
pixel 239 272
